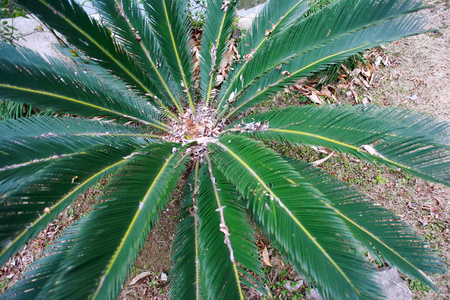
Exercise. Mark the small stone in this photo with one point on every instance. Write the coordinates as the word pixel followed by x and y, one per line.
pixel 293 287
pixel 313 295
pixel 163 276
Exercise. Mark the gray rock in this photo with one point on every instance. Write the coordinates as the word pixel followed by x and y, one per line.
pixel 313 295
pixel 163 276
pixel 393 285
pixel 35 36
pixel 246 16
pixel 293 287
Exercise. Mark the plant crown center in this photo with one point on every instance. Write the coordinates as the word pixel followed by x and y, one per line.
pixel 202 124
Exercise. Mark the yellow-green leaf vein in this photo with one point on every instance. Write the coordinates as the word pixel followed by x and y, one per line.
pixel 296 220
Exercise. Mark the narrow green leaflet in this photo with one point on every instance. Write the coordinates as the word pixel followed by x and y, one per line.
pixel 273 19
pixel 101 258
pixel 133 30
pixel 295 216
pixel 26 77
pixel 170 24
pixel 186 279
pixel 216 34
pixel 91 37
pixel 39 277
pixel 395 241
pixel 358 132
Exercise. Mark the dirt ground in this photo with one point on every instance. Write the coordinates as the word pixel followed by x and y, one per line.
pixel 415 75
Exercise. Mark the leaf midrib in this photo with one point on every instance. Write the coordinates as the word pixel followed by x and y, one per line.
pixel 293 74
pixel 60 202
pixel 263 184
pixel 132 76
pixel 130 227
pixel 161 126
pixel 256 49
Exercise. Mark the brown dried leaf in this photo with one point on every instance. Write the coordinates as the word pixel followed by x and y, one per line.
pixel 352 90
pixel 265 256
pixel 298 87
pixel 326 92
pixel 315 99
pixel 139 277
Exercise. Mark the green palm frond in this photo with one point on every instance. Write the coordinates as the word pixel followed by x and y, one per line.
pixel 115 230
pixel 30 208
pixel 28 145
pixel 129 25
pixel 39 278
pixel 216 34
pixel 275 17
pixel 215 248
pixel 27 77
pixel 410 124
pixel 293 216
pixel 321 39
pixel 170 24
pixel 320 58
pixel 143 116
pixel 233 244
pixel 365 133
pixel 93 39
pixel 376 227
pixel 66 156
pixel 185 271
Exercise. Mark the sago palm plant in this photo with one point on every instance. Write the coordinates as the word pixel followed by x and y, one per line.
pixel 135 110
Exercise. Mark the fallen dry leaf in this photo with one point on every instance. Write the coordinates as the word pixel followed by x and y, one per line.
pixel 139 277
pixel 314 98
pixel 265 256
